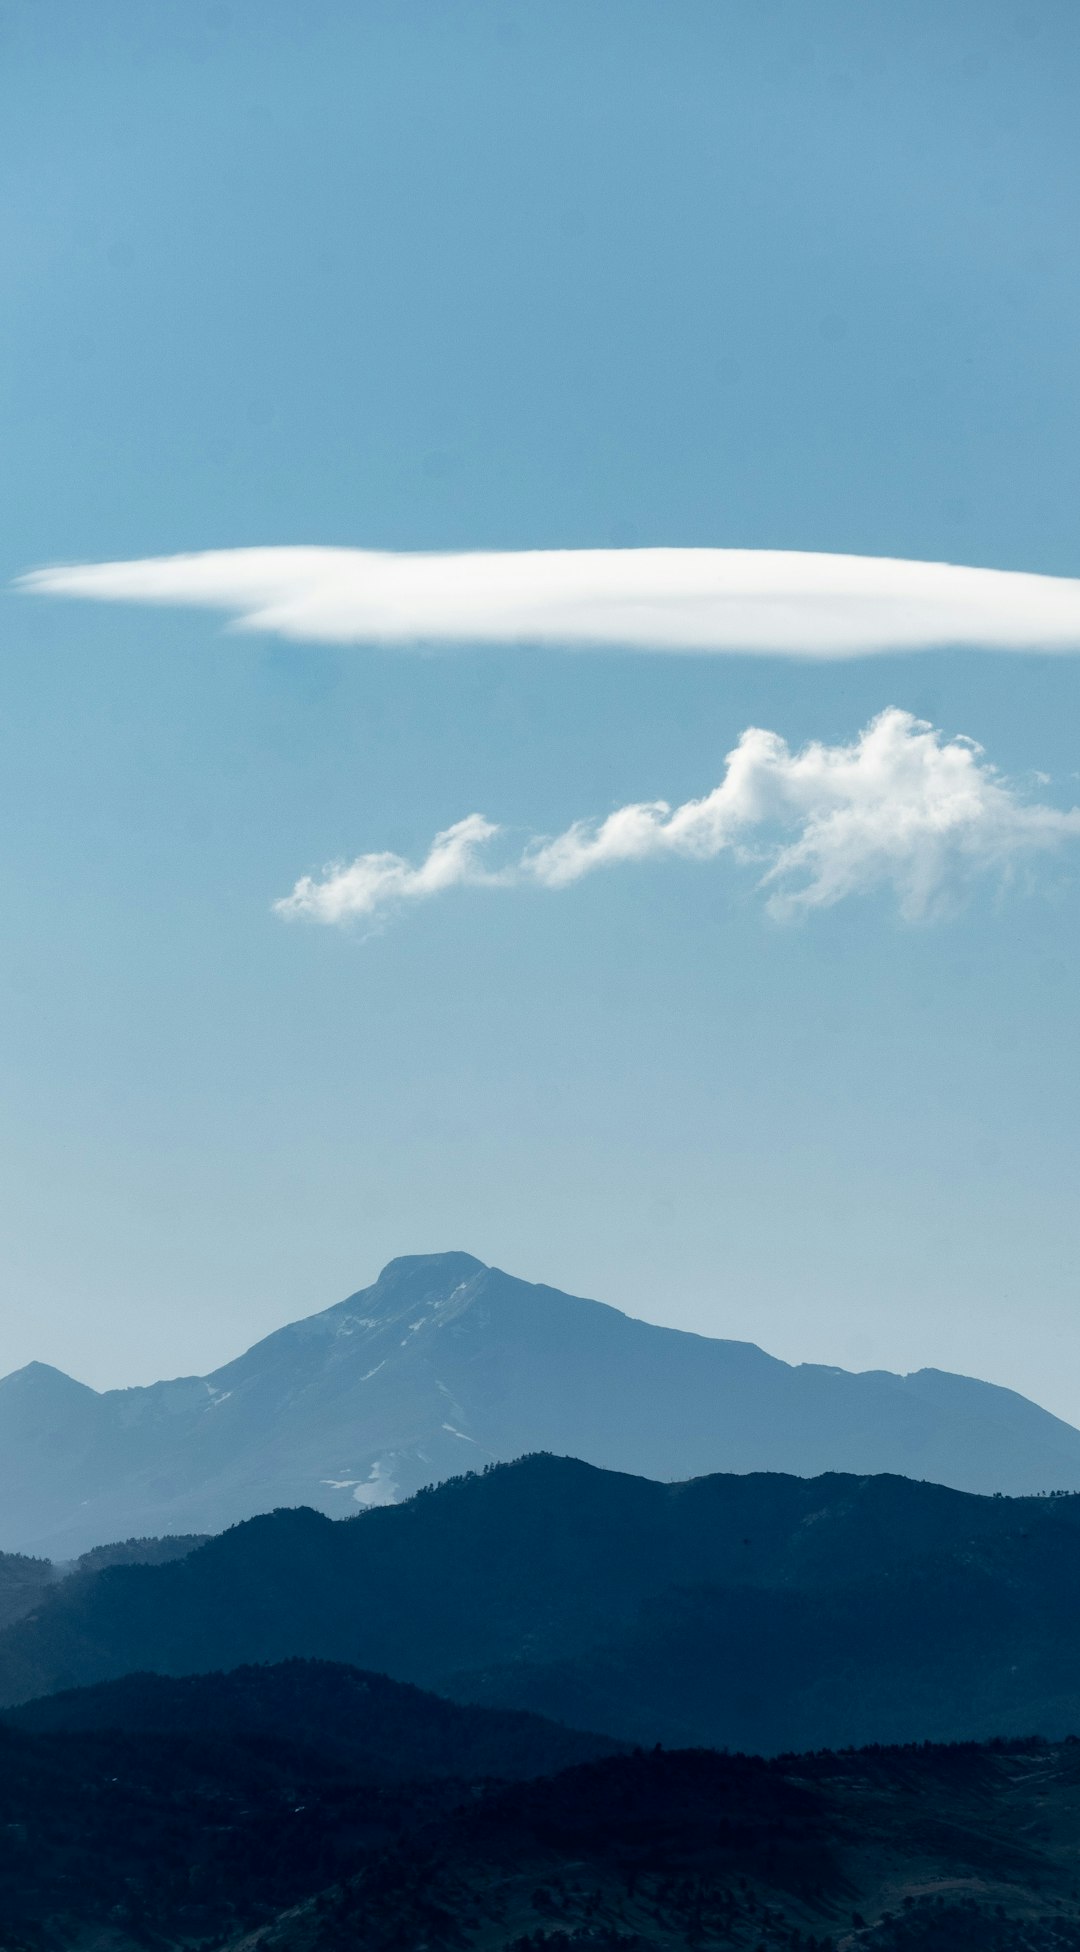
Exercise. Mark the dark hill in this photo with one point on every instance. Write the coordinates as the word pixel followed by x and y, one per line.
pixel 934 1850
pixel 757 1612
pixel 155 1842
pixel 381 1731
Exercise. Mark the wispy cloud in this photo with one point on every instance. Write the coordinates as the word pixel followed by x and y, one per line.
pixel 750 600
pixel 380 881
pixel 901 809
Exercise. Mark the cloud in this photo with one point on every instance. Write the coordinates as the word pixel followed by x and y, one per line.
pixel 901 809
pixel 749 600
pixel 378 881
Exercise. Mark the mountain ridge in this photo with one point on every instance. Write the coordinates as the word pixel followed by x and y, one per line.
pixel 444 1363
pixel 761 1612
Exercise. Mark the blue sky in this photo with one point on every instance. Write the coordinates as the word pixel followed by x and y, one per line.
pixel 572 275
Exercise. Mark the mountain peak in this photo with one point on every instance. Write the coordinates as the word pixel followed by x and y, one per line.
pixel 42 1380
pixel 416 1281
pixel 437 1268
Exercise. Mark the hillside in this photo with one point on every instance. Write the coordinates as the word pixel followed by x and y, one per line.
pixel 191 1807
pixel 23 1584
pixel 935 1850
pixel 445 1365
pixel 760 1612
pixel 381 1731
pixel 126 1840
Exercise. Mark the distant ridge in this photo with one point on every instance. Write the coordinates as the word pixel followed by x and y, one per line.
pixel 444 1365
pixel 762 1613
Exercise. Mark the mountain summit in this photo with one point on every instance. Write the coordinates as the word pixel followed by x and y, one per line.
pixel 445 1365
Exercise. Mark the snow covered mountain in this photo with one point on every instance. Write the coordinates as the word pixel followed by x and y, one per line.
pixel 445 1365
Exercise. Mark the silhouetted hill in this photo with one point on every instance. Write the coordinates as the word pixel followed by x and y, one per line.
pixel 938 1850
pixel 382 1731
pixel 444 1365
pixel 759 1612
pixel 188 1808
pixel 157 1840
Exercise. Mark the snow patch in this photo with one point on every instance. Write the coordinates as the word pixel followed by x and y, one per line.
pixel 379 1488
pixel 460 1433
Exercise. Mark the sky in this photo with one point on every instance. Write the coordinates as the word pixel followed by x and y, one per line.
pixel 494 277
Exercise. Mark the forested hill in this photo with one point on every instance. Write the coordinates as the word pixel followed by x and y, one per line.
pixel 167 1840
pixel 162 1811
pixel 380 1730
pixel 933 1850
pixel 760 1612
pixel 25 1581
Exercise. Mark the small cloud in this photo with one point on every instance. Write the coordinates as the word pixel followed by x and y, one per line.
pixel 380 881
pixel 763 601
pixel 902 809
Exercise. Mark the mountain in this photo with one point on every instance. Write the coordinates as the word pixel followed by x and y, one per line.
pixel 757 1612
pixel 444 1365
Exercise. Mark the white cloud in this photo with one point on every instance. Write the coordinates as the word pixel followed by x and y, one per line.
pixel 752 600
pixel 377 881
pixel 902 808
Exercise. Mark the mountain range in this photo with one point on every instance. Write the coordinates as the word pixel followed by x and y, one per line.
pixel 755 1612
pixel 445 1364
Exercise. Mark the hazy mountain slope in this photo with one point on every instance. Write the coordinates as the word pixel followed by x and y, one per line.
pixel 23 1584
pixel 445 1364
pixel 758 1612
pixel 133 1552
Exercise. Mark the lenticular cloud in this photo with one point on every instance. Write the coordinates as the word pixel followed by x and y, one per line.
pixel 765 601
pixel 901 809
